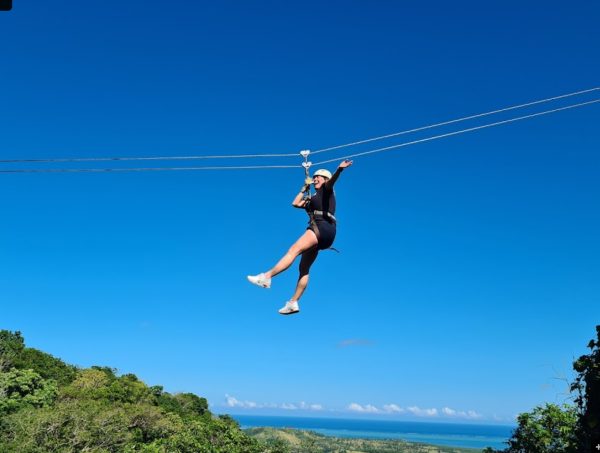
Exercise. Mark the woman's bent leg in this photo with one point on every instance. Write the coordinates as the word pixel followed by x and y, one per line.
pixel 307 241
pixel 308 258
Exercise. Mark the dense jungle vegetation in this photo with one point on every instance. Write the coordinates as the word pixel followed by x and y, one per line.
pixel 47 405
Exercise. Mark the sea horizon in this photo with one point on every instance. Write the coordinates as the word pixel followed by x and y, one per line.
pixel 450 434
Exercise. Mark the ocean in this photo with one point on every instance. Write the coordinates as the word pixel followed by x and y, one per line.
pixel 447 434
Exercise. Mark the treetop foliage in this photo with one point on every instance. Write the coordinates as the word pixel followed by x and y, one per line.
pixel 587 388
pixel 568 428
pixel 47 405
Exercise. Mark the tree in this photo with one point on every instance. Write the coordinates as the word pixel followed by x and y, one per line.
pixel 45 365
pixel 587 386
pixel 565 429
pixel 49 406
pixel 67 427
pixel 14 354
pixel 184 404
pixel 548 428
pixel 20 388
pixel 11 345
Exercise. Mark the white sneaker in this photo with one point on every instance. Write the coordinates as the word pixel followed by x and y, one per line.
pixel 290 308
pixel 260 280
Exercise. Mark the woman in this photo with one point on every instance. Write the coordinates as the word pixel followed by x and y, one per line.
pixel 319 235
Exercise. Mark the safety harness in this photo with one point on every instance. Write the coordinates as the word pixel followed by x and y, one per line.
pixel 325 215
pixel 312 213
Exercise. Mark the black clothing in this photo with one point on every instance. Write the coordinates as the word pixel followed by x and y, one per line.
pixel 323 200
pixel 323 226
pixel 325 232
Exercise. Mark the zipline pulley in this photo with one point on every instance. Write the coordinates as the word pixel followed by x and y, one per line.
pixel 307 179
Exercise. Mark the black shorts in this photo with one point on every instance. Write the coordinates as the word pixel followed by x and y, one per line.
pixel 325 232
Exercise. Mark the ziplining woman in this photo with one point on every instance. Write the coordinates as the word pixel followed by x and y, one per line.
pixel 319 235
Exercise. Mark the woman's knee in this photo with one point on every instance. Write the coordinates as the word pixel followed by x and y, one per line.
pixel 303 270
pixel 308 259
pixel 303 277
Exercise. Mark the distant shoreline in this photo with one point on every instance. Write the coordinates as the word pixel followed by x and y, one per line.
pixel 365 419
pixel 298 440
pixel 452 435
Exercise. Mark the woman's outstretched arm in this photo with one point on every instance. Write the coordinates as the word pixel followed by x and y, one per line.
pixel 345 164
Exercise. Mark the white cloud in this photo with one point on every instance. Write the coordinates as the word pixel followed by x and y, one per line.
pixel 422 412
pixel 413 410
pixel 310 407
pixel 448 411
pixel 460 414
pixel 473 414
pixel 368 408
pixel 393 408
pixel 233 402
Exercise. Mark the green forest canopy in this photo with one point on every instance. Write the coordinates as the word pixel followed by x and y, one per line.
pixel 48 405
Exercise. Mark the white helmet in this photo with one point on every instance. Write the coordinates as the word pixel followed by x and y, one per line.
pixel 323 172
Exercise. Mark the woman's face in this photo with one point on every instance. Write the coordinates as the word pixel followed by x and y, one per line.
pixel 318 181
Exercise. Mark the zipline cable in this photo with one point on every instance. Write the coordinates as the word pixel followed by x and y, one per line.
pixel 435 137
pixel 479 115
pixel 242 156
pixel 114 170
pixel 109 159
pixel 248 167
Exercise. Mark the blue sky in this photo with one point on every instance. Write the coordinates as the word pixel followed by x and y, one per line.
pixel 467 279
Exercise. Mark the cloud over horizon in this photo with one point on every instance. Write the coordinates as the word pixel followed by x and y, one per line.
pixel 355 407
pixel 231 401
pixel 393 408
pixel 461 414
pixel 386 409
pixel 413 410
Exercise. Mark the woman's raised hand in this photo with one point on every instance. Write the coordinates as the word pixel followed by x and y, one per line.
pixel 346 163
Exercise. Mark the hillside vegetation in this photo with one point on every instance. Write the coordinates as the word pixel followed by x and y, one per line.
pixel 569 428
pixel 300 441
pixel 49 406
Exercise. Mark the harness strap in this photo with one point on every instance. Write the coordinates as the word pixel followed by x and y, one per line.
pixel 325 214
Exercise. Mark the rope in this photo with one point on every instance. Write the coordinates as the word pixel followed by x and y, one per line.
pixel 435 137
pixel 112 170
pixel 107 159
pixel 456 120
pixel 243 156
pixel 142 169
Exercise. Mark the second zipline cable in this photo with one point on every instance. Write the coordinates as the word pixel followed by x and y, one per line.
pixel 245 156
